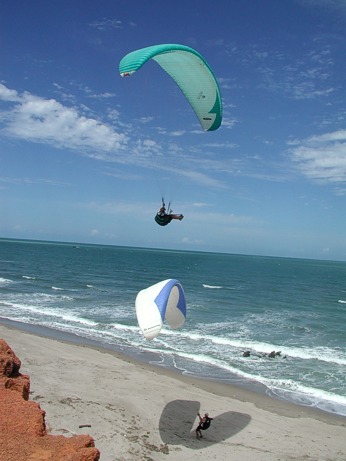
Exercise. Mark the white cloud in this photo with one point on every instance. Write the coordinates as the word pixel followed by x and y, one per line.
pixel 30 181
pixel 189 241
pixel 323 157
pixel 228 122
pixel 177 133
pixel 203 179
pixel 8 95
pixel 106 24
pixel 306 76
pixel 105 95
pixel 47 121
pixel 117 208
pixel 110 24
pixel 35 119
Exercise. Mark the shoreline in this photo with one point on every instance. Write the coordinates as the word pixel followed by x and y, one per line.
pixel 255 393
pixel 136 411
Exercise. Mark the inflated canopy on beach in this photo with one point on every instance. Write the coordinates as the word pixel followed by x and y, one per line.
pixel 163 301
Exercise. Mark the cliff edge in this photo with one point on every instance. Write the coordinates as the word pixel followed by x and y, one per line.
pixel 23 432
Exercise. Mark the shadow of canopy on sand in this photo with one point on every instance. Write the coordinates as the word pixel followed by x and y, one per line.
pixel 178 423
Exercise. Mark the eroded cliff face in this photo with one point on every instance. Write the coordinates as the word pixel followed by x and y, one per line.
pixel 23 435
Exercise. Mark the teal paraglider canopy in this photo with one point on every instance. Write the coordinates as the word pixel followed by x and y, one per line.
pixel 190 71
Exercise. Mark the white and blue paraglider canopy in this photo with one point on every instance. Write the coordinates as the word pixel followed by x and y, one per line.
pixel 163 301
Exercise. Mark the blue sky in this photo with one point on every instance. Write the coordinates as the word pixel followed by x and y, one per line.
pixel 85 154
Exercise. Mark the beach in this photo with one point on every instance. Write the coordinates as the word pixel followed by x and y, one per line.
pixel 135 411
pixel 234 304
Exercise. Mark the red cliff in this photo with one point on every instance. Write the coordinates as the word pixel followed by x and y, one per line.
pixel 23 435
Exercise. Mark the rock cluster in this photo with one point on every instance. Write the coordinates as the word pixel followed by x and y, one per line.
pixel 23 435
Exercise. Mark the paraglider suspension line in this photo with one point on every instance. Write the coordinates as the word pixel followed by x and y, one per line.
pixel 169 210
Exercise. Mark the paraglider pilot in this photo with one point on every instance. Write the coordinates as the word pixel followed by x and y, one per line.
pixel 204 424
pixel 163 218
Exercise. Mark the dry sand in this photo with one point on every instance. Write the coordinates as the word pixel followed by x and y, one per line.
pixel 141 412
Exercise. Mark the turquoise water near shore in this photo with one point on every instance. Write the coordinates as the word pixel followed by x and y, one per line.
pixel 235 303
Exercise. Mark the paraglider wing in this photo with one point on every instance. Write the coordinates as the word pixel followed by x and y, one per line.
pixel 191 73
pixel 163 301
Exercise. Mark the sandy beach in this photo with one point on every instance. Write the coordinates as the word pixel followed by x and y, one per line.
pixel 138 412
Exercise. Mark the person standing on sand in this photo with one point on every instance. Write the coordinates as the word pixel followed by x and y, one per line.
pixel 204 424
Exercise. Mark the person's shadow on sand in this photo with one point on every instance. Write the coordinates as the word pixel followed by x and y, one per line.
pixel 178 423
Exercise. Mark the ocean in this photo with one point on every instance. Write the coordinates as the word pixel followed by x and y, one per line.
pixel 235 303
